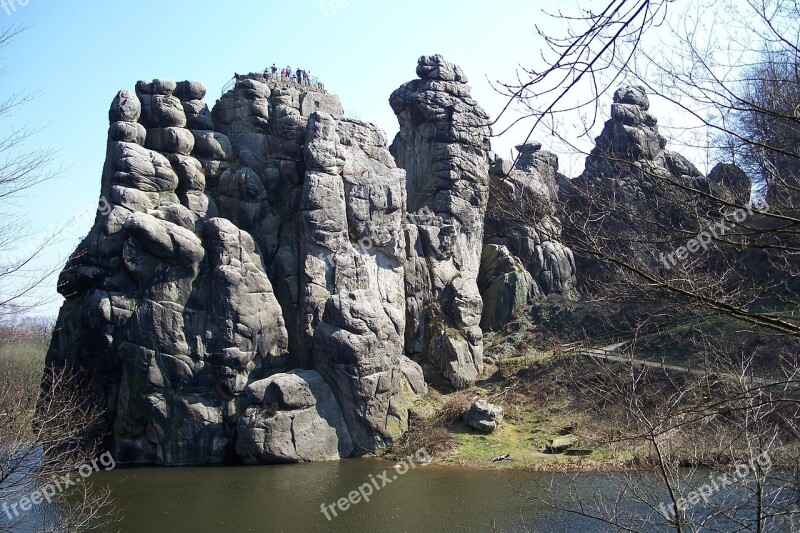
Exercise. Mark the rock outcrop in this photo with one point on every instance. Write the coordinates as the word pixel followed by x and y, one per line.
pixel 630 158
pixel 630 151
pixel 629 172
pixel 523 236
pixel 250 254
pixel 271 282
pixel 638 200
pixel 443 146
pixel 169 312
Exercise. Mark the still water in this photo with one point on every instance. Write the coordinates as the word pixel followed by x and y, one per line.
pixel 289 498
pixel 313 497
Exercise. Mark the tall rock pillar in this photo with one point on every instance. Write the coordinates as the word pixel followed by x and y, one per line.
pixel 443 146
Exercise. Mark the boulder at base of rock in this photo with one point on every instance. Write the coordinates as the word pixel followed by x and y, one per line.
pixel 483 416
pixel 561 445
pixel 296 418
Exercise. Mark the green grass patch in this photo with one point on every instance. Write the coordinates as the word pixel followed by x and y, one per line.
pixel 22 361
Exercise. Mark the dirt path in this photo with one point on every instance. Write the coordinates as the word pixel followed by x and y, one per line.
pixel 606 353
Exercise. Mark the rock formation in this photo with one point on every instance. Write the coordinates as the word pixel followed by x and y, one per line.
pixel 506 286
pixel 628 173
pixel 637 200
pixel 443 146
pixel 271 282
pixel 630 156
pixel 523 256
pixel 244 295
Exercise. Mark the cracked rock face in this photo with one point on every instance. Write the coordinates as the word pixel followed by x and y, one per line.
pixel 255 247
pixel 266 279
pixel 443 146
pixel 353 260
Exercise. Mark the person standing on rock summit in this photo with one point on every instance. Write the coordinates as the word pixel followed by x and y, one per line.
pixel 274 70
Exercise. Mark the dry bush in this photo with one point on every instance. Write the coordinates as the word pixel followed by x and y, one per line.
pixel 42 439
pixel 432 433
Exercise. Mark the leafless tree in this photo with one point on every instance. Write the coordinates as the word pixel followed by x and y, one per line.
pixel 705 451
pixel 574 71
pixel 43 419
pixel 21 170
pixel 766 139
pixel 731 69
pixel 45 444
pixel 747 96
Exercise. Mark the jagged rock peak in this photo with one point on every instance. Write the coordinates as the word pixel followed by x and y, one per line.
pixel 630 144
pixel 434 67
pixel 634 95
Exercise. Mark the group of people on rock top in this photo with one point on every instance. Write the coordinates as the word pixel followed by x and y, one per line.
pixel 300 76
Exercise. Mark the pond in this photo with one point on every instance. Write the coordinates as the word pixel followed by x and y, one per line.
pixel 290 498
pixel 362 495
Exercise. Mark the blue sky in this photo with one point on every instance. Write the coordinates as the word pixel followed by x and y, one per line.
pixel 78 54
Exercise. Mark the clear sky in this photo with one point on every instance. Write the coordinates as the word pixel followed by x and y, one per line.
pixel 79 53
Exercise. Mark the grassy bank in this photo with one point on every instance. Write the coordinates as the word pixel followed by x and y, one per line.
pixel 548 394
pixel 22 361
pixel 539 407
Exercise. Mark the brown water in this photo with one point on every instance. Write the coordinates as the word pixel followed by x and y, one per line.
pixel 425 498
pixel 288 498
